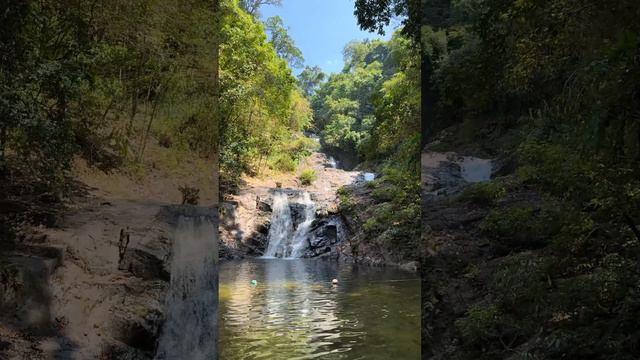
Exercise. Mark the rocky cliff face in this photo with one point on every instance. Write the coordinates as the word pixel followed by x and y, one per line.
pixel 247 221
pixel 459 258
pixel 246 216
pixel 94 287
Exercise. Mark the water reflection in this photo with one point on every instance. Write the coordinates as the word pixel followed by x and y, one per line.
pixel 295 313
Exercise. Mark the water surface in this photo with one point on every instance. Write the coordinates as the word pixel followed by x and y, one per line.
pixel 475 169
pixel 295 313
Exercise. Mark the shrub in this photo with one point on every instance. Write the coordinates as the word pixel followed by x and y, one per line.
pixel 282 162
pixel 371 225
pixel 520 284
pixel 190 195
pixel 485 193
pixel 479 323
pixel 384 193
pixel 307 177
pixel 526 228
pixel 301 147
pixel 346 201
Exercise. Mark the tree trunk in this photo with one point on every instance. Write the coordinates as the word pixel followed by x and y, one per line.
pixel 134 110
pixel 145 136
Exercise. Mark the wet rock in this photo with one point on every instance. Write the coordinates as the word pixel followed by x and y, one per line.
pixel 143 265
pixel 227 253
pixel 411 266
pixel 264 206
pixel 4 345
pixel 124 352
pixel 141 333
pixel 257 244
pixel 324 236
pixel 263 227
pixel 297 213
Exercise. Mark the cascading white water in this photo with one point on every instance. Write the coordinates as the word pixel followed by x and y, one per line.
pixel 299 241
pixel 283 240
pixel 281 228
pixel 190 329
pixel 332 162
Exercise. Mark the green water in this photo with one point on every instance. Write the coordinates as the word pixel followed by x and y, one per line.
pixel 295 313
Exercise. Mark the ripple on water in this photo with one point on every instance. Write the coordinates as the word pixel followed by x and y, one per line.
pixel 295 313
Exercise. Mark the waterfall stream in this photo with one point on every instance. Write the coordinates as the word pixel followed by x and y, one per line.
pixel 190 329
pixel 286 240
pixel 332 162
pixel 281 226
pixel 299 241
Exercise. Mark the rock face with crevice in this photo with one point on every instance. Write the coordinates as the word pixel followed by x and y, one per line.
pixel 248 233
pixel 325 235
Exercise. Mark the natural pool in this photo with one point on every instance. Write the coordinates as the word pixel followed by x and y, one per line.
pixel 293 312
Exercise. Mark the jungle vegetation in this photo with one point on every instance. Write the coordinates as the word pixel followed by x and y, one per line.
pixel 550 87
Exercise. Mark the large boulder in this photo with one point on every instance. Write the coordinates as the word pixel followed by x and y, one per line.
pixel 143 265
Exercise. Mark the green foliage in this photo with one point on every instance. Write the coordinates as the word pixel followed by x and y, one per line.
pixel 371 225
pixel 372 108
pixel 554 167
pixel 307 177
pixel 263 111
pixel 560 77
pixel 375 15
pixel 394 220
pixel 282 162
pixel 283 43
pixel 479 323
pixel 523 227
pixel 520 285
pixel 310 79
pixel 346 203
pixel 252 7
pixel 484 193
pixel 89 79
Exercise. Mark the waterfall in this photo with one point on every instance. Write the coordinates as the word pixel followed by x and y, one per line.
pixel 332 162
pixel 190 329
pixel 283 240
pixel 281 228
pixel 299 241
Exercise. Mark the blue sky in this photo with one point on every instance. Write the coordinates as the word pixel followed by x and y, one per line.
pixel 320 29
